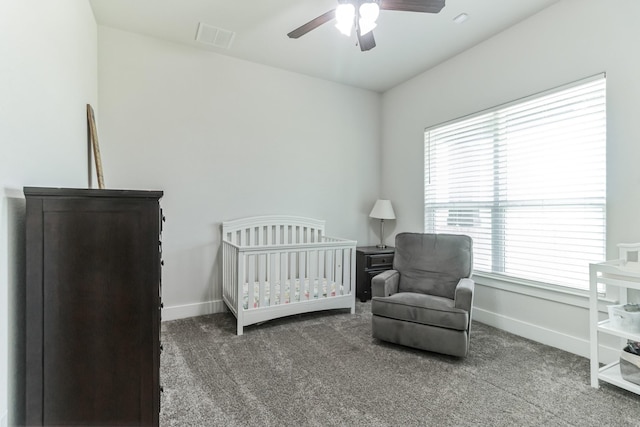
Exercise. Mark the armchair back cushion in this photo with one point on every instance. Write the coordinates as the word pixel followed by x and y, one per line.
pixel 432 263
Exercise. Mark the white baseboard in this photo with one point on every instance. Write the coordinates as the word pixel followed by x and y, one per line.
pixel 3 420
pixel 193 310
pixel 550 337
pixel 569 343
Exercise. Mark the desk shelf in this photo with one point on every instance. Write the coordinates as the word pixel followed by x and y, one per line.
pixel 613 274
pixel 611 373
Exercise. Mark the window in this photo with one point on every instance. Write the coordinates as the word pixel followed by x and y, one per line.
pixel 527 181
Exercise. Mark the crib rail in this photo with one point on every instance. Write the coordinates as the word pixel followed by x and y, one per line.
pixel 273 230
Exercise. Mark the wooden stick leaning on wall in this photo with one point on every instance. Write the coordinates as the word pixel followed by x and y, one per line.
pixel 93 136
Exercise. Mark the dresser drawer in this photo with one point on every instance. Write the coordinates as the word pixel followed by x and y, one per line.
pixel 379 261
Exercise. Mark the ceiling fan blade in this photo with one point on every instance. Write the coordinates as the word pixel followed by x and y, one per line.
pixel 366 42
pixel 313 24
pixel 426 6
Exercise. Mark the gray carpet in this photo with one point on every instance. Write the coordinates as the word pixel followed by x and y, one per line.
pixel 324 369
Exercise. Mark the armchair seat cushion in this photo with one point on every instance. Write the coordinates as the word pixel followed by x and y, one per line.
pixel 421 308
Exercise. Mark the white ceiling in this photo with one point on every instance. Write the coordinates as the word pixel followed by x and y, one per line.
pixel 408 43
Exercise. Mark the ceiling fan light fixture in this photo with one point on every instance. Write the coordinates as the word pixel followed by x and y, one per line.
pixel 345 15
pixel 366 26
pixel 344 28
pixel 369 11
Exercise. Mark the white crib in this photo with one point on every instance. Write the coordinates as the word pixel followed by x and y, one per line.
pixel 275 266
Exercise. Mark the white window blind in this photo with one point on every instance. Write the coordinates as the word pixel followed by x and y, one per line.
pixel 527 181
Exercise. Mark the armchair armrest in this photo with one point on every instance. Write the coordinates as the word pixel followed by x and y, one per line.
pixel 385 283
pixel 464 294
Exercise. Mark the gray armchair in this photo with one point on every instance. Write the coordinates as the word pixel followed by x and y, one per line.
pixel 425 301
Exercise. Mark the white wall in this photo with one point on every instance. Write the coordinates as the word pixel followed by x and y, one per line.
pixel 225 139
pixel 48 73
pixel 566 42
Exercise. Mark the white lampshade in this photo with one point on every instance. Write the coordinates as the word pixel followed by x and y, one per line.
pixel 382 210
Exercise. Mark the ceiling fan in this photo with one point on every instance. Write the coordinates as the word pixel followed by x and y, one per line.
pixel 364 20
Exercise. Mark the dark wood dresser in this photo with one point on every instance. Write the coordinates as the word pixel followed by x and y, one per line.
pixel 371 261
pixel 92 326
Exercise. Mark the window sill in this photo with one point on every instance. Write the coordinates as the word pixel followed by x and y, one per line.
pixel 569 296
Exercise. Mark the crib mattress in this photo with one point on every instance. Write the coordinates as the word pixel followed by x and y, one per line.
pixel 293 292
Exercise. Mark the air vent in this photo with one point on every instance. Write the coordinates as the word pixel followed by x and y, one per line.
pixel 213 36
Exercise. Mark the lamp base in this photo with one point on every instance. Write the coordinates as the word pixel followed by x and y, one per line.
pixel 381 245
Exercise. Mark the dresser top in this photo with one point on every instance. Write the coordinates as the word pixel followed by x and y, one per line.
pixel 89 192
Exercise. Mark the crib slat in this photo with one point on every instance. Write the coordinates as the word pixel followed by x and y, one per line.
pixel 345 268
pixel 283 275
pixel 262 274
pixel 322 275
pixel 329 271
pixel 250 280
pixel 339 267
pixel 292 276
pixel 295 275
pixel 272 278
pixel 233 286
pixel 318 276
pixel 313 273
pixel 301 276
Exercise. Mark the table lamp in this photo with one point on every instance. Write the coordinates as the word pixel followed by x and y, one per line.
pixel 382 210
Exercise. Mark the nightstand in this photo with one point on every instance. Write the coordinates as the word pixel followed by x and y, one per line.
pixel 371 261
